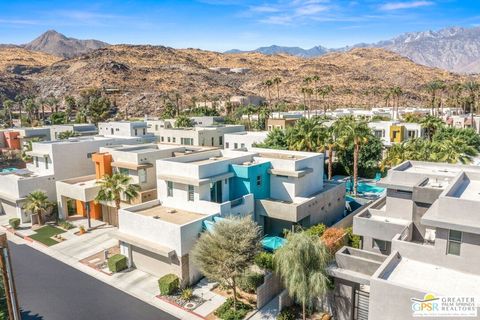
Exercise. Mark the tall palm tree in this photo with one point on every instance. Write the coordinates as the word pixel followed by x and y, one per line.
pixel 396 93
pixel 349 129
pixel 8 107
pixel 302 264
pixel 433 88
pixel 37 204
pixel 277 81
pixel 268 84
pixel 323 92
pixel 331 143
pixel 472 87
pixel 112 187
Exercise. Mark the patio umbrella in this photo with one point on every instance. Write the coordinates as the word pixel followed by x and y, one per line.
pixel 273 243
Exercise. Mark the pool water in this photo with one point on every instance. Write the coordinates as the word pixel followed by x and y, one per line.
pixel 365 187
pixel 6 170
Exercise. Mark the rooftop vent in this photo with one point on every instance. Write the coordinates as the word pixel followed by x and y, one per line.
pixel 171 211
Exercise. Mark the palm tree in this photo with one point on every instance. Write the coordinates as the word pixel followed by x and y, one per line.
pixel 70 106
pixel 277 81
pixel 330 141
pixel 431 124
pixel 302 264
pixel 472 88
pixel 349 129
pixel 8 106
pixel 433 88
pixel 112 187
pixel 306 135
pixel 37 203
pixel 268 84
pixel 323 92
pixel 396 93
pixel 66 135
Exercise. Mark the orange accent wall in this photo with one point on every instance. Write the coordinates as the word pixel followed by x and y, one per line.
pixel 80 208
pixel 12 139
pixel 103 164
pixel 95 210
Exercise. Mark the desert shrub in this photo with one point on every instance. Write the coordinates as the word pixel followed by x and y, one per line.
pixel 14 223
pixel 316 230
pixel 66 225
pixel 334 239
pixel 226 312
pixel 286 314
pixel 264 260
pixel 117 263
pixel 187 294
pixel 353 239
pixel 250 281
pixel 168 284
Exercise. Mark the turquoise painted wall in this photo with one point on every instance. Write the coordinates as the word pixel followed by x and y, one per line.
pixel 245 180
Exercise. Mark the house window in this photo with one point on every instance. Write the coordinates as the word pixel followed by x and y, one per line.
pixel 235 145
pixel 169 189
pixel 35 159
pixel 174 139
pixel 259 181
pixel 161 139
pixel 242 145
pixel 220 140
pixel 135 131
pixel 454 242
pixel 144 131
pixel 190 193
pixel 89 155
pixel 168 139
pixel 123 171
pixel 227 145
pixel 213 141
pixel 142 175
pixel 379 244
pixel 46 163
pixel 156 127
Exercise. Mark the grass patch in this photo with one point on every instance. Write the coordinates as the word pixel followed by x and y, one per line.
pixel 43 235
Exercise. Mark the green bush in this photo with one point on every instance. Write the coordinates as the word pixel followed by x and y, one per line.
pixel 250 281
pixel 168 284
pixel 117 263
pixel 14 223
pixel 353 239
pixel 287 314
pixel 225 311
pixel 65 225
pixel 264 260
pixel 316 230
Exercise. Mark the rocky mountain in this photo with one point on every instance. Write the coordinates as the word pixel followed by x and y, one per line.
pixel 143 78
pixel 59 45
pixel 454 49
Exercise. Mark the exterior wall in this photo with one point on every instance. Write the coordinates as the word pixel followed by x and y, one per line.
pixel 245 181
pixel 397 133
pixel 280 123
pixel 103 164
pixel 244 139
pixel 12 140
pixel 271 287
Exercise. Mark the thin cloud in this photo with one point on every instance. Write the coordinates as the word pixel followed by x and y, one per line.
pixel 284 13
pixel 391 6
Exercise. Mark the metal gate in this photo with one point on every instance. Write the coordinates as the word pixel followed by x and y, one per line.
pixel 360 309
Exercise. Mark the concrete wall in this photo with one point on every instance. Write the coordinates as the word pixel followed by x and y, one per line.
pixel 244 139
pixel 271 287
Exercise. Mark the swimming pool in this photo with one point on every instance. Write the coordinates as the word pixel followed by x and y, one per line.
pixel 363 187
pixel 7 170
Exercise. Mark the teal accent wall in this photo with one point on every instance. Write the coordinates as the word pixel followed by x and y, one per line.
pixel 245 180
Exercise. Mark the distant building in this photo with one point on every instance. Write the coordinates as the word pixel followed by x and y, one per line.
pixel 244 140
pixel 391 132
pixel 126 129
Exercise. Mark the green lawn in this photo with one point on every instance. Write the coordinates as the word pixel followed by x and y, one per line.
pixel 44 233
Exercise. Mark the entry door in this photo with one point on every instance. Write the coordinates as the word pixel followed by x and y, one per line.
pixel 360 310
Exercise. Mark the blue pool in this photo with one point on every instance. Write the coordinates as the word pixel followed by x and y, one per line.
pixel 365 187
pixel 7 170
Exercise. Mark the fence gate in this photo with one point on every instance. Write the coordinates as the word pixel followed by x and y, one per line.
pixel 360 310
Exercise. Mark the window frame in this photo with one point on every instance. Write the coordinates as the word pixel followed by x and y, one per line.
pixel 142 178
pixel 455 241
pixel 169 188
pixel 190 193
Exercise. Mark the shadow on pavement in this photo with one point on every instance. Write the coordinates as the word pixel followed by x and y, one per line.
pixel 26 315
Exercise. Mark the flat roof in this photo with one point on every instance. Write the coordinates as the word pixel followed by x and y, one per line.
pixel 279 155
pixel 171 215
pixel 208 160
pixel 434 278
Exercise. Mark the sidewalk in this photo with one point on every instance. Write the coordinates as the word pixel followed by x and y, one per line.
pixel 137 283
pixel 269 311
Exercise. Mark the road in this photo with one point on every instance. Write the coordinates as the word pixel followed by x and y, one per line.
pixel 51 290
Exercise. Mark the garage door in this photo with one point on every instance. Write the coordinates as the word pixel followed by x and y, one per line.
pixel 152 263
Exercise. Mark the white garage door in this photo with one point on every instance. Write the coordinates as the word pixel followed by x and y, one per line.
pixel 152 263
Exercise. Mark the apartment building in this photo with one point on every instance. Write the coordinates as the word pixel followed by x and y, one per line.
pixel 208 136
pixel 391 132
pixel 51 161
pixel 126 129
pixel 422 238
pixel 279 189
pixel 245 139
pixel 76 196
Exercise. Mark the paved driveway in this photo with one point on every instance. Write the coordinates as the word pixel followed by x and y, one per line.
pixel 51 290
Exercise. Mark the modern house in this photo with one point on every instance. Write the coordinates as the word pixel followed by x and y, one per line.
pixel 80 129
pixel 76 196
pixel 391 132
pixel 208 136
pixel 17 138
pixel 279 189
pixel 422 238
pixel 245 139
pixel 463 122
pixel 282 121
pixel 126 129
pixel 51 161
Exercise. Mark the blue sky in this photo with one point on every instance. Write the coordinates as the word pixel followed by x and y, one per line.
pixel 226 24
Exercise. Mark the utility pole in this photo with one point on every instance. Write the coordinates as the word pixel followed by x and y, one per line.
pixel 7 277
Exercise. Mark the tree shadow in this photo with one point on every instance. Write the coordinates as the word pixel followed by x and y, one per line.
pixel 27 315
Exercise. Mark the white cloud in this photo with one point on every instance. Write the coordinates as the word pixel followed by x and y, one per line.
pixel 287 12
pixel 390 6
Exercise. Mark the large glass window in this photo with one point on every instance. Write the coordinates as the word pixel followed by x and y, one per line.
pixel 380 244
pixel 142 175
pixel 216 192
pixel 169 189
pixel 454 242
pixel 191 193
pixel 124 171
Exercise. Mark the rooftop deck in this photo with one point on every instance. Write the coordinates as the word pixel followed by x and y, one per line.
pixel 167 214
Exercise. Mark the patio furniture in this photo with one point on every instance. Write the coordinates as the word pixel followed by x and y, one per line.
pixel 272 243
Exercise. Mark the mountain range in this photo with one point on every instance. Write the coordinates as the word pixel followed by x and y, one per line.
pixel 454 49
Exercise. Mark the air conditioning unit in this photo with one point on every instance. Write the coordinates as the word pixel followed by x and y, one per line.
pixel 171 211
